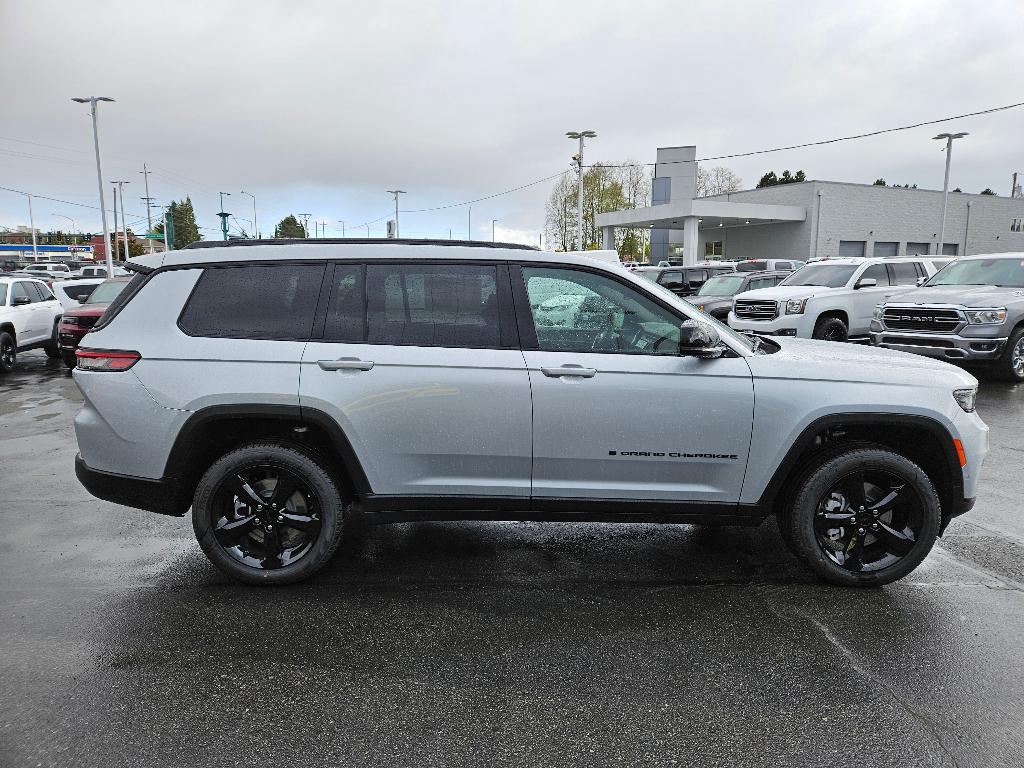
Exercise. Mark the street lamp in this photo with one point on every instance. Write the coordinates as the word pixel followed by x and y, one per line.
pixel 396 193
pixel 255 226
pixel 342 227
pixel 945 183
pixel 92 101
pixel 493 222
pixel 74 224
pixel 32 226
pixel 581 135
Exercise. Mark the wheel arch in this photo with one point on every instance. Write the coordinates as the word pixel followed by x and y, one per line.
pixel 922 439
pixel 8 327
pixel 840 314
pixel 212 431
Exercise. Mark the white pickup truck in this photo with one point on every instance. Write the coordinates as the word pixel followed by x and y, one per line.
pixel 29 315
pixel 832 300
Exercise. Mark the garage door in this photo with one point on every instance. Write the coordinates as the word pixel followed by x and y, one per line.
pixel 917 249
pixel 885 250
pixel 851 248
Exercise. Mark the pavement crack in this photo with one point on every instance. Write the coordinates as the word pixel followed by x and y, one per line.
pixel 934 728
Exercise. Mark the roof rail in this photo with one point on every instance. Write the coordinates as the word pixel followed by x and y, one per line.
pixel 355 241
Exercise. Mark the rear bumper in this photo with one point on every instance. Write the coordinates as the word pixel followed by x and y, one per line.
pixel 160 496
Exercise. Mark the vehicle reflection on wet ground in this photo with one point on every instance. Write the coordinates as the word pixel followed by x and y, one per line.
pixel 492 643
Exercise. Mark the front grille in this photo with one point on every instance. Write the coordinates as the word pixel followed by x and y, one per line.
pixel 922 319
pixel 917 342
pixel 752 309
pixel 81 322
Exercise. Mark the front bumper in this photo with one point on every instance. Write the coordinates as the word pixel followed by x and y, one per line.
pixel 160 496
pixel 944 346
pixel 783 325
pixel 69 337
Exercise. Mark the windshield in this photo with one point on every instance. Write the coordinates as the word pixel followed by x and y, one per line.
pixel 752 266
pixel 106 292
pixel 723 285
pixel 3 294
pixel 1005 273
pixel 825 275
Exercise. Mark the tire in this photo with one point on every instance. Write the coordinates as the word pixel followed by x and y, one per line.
pixel 874 549
pixel 1011 364
pixel 52 349
pixel 8 352
pixel 229 523
pixel 68 356
pixel 830 329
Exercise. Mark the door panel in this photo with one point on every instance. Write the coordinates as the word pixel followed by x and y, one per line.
pixel 619 414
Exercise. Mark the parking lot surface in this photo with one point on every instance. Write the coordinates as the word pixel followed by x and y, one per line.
pixel 493 643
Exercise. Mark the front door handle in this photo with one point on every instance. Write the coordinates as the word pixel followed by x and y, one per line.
pixel 570 370
pixel 345 364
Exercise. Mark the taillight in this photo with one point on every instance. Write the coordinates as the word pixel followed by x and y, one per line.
pixel 106 360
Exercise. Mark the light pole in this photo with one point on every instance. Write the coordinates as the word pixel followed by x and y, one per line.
pixel 255 226
pixel 74 225
pixel 493 222
pixel 396 193
pixel 223 216
pixel 581 135
pixel 149 214
pixel 32 226
pixel 469 224
pixel 124 218
pixel 92 101
pixel 945 183
pixel 342 227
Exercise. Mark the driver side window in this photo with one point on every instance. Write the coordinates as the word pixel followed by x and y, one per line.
pixel 576 311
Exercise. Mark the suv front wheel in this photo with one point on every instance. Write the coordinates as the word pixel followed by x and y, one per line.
pixel 865 517
pixel 268 513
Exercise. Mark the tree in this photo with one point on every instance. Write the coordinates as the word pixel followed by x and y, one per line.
pixel 289 226
pixel 771 180
pixel 185 229
pixel 987 191
pixel 879 182
pixel 717 181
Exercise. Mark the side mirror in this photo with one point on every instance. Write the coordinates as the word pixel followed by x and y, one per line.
pixel 921 281
pixel 20 301
pixel 866 282
pixel 699 340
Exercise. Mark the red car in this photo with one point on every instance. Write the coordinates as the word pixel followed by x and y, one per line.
pixel 78 322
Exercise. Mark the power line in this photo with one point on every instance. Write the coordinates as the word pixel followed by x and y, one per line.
pixel 825 141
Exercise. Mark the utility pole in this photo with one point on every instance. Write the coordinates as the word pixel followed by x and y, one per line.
pixel 1013 186
pixel 92 101
pixel 945 184
pixel 342 227
pixel 110 269
pixel 396 193
pixel 255 226
pixel 32 226
pixel 581 135
pixel 124 221
pixel 149 216
pixel 305 224
pixel 493 222
pixel 223 216
pixel 469 224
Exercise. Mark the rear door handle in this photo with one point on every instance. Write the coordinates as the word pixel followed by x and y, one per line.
pixel 570 370
pixel 345 364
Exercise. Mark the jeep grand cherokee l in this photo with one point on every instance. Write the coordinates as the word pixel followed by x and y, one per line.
pixel 284 389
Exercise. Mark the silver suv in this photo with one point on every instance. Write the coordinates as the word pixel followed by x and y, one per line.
pixel 284 390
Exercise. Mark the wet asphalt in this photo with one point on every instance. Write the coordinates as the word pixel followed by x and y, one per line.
pixel 458 644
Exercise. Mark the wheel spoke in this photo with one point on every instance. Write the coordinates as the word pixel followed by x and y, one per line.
pixel 888 502
pixel 284 489
pixel 308 524
pixel 232 532
pixel 246 494
pixel 271 548
pixel 855 556
pixel 852 488
pixel 896 542
pixel 826 521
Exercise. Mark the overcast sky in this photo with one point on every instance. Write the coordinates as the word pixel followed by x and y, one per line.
pixel 319 107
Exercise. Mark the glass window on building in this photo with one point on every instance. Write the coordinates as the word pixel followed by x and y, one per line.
pixel 886 250
pixel 851 248
pixel 714 248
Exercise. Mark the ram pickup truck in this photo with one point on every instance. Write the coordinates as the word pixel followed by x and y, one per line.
pixel 970 312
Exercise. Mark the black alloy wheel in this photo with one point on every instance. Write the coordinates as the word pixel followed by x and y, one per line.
pixel 265 516
pixel 868 520
pixel 8 352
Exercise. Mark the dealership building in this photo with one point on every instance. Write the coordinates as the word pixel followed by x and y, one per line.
pixel 811 219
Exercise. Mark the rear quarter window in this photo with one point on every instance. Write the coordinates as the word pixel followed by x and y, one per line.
pixel 254 302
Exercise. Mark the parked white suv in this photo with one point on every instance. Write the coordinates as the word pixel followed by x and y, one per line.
pixel 29 316
pixel 49 268
pixel 282 390
pixel 832 300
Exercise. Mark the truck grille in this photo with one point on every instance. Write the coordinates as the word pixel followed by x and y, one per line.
pixel 752 309
pixel 921 319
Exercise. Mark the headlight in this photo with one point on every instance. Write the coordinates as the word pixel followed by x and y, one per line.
pixel 986 316
pixel 965 398
pixel 796 306
pixel 879 310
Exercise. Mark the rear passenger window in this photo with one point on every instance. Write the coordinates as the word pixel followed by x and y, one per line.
pixel 876 272
pixel 432 305
pixel 346 305
pixel 254 302
pixel 903 273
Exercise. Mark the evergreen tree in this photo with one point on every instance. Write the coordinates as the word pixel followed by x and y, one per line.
pixel 879 182
pixel 185 229
pixel 289 226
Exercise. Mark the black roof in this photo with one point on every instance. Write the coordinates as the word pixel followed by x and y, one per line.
pixel 355 241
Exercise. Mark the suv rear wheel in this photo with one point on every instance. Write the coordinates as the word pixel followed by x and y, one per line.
pixel 1010 366
pixel 8 352
pixel 865 517
pixel 268 513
